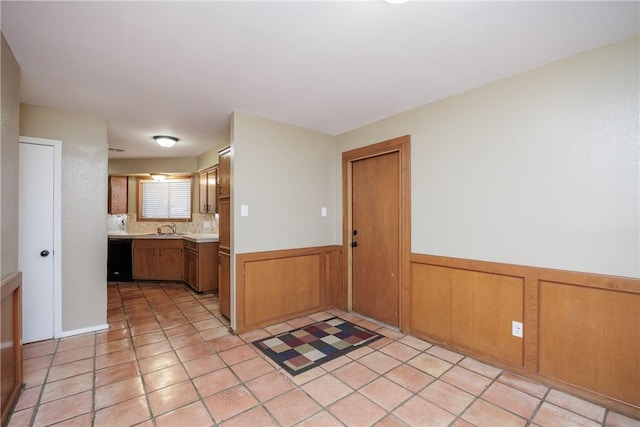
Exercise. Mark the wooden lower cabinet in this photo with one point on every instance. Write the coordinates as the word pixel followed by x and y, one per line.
pixel 200 265
pixel 225 284
pixel 157 259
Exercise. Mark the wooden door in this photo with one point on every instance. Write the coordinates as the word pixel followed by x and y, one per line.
pixel 376 231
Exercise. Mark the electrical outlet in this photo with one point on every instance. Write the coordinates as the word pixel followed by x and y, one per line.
pixel 516 329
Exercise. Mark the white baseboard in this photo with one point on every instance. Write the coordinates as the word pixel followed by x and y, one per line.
pixel 84 330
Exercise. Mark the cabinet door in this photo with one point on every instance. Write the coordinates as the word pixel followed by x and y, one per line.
pixel 186 272
pixel 224 228
pixel 212 190
pixel 193 270
pixel 169 263
pixel 224 284
pixel 224 172
pixel 207 267
pixel 144 262
pixel 118 193
pixel 204 204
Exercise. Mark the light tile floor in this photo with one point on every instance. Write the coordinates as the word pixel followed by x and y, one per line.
pixel 168 359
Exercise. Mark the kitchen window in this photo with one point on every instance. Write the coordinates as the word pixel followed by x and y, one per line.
pixel 165 200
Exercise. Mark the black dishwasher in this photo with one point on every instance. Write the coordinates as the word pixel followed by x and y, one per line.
pixel 119 261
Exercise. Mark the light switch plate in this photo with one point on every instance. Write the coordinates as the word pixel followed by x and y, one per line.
pixel 244 210
pixel 323 211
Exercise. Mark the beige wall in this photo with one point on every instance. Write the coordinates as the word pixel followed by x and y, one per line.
pixel 84 207
pixel 537 169
pixel 177 165
pixel 10 90
pixel 284 174
pixel 210 158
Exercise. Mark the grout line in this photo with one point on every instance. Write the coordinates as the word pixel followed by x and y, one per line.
pixel 93 379
pixel 133 296
pixel 535 411
pixel 36 406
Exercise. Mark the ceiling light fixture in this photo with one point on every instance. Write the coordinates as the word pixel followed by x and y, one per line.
pixel 165 141
pixel 396 1
pixel 158 176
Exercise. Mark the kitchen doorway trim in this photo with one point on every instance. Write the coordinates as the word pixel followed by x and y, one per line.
pixel 57 228
pixel 402 145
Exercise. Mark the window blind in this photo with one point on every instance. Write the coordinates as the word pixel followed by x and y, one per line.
pixel 166 199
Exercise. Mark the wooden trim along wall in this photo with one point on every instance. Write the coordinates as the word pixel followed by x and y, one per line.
pixel 581 330
pixel 275 286
pixel 11 352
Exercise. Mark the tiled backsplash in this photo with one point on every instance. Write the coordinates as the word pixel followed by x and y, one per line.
pixel 201 223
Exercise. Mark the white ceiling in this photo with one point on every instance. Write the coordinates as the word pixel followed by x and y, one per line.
pixel 181 68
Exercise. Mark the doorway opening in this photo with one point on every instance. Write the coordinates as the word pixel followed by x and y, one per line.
pixel 376 227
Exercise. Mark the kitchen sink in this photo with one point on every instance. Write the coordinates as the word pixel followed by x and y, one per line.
pixel 163 236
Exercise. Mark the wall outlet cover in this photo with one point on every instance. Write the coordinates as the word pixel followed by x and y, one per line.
pixel 516 329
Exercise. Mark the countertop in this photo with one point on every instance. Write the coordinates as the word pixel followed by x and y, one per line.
pixel 192 237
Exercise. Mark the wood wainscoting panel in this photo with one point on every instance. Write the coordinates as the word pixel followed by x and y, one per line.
pixel 335 292
pixel 483 308
pixel 11 352
pixel 276 286
pixel 470 309
pixel 431 301
pixel 581 330
pixel 590 337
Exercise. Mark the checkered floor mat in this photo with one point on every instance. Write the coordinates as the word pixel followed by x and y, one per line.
pixel 299 350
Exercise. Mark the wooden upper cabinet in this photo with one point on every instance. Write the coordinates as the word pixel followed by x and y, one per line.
pixel 224 172
pixel 118 194
pixel 208 190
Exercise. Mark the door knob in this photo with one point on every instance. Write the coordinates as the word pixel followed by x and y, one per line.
pixel 354 244
pixel 44 253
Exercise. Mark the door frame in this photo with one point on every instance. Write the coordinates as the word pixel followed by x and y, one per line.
pixel 57 227
pixel 402 145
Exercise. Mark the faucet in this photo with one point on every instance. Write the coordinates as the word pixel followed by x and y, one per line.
pixel 172 226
